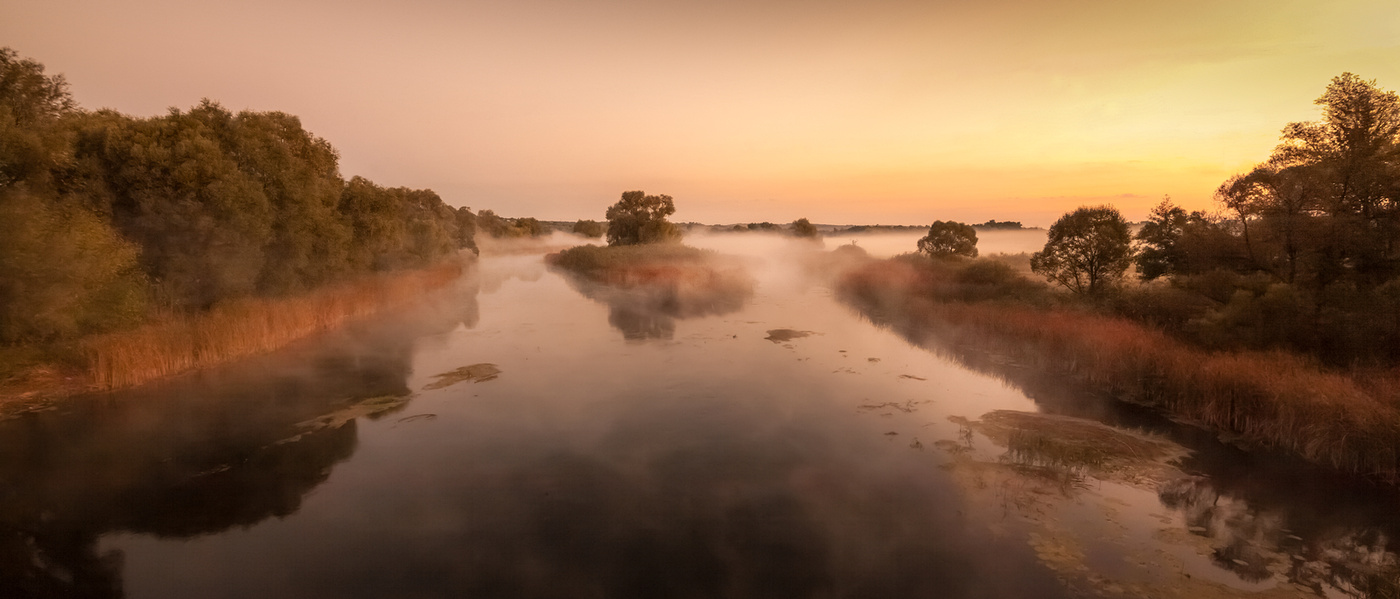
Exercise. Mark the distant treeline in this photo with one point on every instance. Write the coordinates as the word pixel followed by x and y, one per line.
pixel 989 225
pixel 106 219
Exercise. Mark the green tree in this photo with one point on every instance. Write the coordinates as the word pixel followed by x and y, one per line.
pixel 640 218
pixel 33 141
pixel 202 223
pixel 530 226
pixel 804 228
pixel 946 239
pixel 63 271
pixel 466 229
pixel 1086 250
pixel 589 228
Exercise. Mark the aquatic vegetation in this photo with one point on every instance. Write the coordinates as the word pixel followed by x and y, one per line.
pixel 785 335
pixel 1343 420
pixel 476 373
pixel 247 327
pixel 369 407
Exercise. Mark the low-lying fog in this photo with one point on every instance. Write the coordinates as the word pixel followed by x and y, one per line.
pixel 525 435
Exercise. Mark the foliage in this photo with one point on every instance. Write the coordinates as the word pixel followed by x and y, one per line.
pixel 531 227
pixel 640 218
pixel 1174 242
pixel 1086 250
pixel 1274 399
pixel 804 228
pixel 508 228
pixel 109 218
pixel 33 145
pixel 1002 224
pixel 63 271
pixel 946 239
pixel 594 260
pixel 589 228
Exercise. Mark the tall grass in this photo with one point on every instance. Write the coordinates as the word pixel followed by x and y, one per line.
pixel 177 343
pixel 1346 420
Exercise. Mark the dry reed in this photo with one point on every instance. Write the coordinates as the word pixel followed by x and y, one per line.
pixel 245 327
pixel 1349 421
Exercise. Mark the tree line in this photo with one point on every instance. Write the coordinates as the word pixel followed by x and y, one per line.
pixel 106 218
pixel 1303 252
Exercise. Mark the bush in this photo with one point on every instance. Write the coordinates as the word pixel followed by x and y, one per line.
pixel 589 228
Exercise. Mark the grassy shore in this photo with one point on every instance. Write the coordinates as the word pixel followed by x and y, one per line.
pixel 178 343
pixel 1345 420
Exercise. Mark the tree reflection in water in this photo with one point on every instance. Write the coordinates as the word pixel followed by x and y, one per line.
pixel 195 455
pixel 650 311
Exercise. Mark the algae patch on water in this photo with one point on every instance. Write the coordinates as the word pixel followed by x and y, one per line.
pixel 370 407
pixel 785 335
pixel 477 373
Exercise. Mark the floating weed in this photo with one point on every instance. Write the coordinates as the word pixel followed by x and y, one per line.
pixel 415 418
pixel 785 335
pixel 477 373
pixel 370 407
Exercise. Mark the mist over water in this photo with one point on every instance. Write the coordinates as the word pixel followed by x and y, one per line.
pixel 631 445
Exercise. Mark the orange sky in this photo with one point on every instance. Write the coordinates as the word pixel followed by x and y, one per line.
pixel 876 112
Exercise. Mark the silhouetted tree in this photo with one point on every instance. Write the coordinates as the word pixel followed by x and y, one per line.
pixel 639 218
pixel 1085 250
pixel 1345 167
pixel 946 239
pixel 804 228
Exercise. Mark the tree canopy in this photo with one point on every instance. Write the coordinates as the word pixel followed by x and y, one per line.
pixel 1086 250
pixel 588 228
pixel 640 218
pixel 946 239
pixel 105 215
pixel 805 229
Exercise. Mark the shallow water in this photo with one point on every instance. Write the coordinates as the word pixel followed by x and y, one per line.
pixel 676 450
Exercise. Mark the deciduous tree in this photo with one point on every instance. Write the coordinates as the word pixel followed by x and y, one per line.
pixel 1086 250
pixel 946 239
pixel 640 218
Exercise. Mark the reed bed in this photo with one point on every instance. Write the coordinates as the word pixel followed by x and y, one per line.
pixel 1345 420
pixel 241 328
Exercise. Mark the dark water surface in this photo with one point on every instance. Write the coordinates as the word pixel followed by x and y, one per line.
pixel 627 448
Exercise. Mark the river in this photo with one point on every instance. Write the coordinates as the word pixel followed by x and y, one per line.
pixel 591 444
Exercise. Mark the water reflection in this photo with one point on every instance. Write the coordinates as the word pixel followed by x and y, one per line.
pixel 1262 514
pixel 650 311
pixel 196 455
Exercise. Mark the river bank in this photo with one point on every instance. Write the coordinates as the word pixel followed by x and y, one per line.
pixel 174 344
pixel 1276 400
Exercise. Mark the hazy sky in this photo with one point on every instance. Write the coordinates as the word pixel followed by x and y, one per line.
pixel 872 111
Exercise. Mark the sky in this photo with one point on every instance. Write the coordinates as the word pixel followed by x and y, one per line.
pixel 889 112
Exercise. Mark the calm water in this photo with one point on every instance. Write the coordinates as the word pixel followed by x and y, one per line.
pixel 629 447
